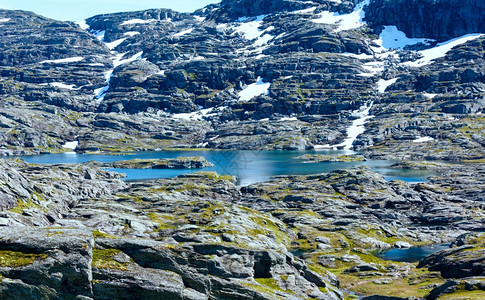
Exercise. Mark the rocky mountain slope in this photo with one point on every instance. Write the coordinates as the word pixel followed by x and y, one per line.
pixel 395 79
pixel 157 79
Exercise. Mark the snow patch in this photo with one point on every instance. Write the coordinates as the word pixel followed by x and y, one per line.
pixel 115 44
pixel 181 33
pixel 63 85
pixel 373 68
pixel 304 11
pixel 117 61
pixel 101 92
pixel 345 21
pixel 423 139
pixel 131 33
pixel 221 27
pixel 254 89
pixel 289 119
pixel 356 129
pixel 382 84
pixel 62 60
pixel 357 56
pixel 441 49
pixel 71 145
pixel 82 24
pixel 250 30
pixel 393 38
pixel 199 115
pixel 199 18
pixel 279 36
pixel 264 38
pixel 137 21
pixel 430 96
pixel 99 34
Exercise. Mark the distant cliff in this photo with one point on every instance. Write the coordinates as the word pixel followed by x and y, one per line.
pixel 437 19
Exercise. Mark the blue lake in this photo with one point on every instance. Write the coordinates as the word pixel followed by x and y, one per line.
pixel 248 166
pixel 412 254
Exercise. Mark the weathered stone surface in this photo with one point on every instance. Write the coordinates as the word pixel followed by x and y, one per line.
pixel 46 263
pixel 474 285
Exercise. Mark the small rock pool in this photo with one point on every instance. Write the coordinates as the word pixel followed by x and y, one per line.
pixel 412 254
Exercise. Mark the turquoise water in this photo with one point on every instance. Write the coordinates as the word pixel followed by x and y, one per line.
pixel 412 254
pixel 248 166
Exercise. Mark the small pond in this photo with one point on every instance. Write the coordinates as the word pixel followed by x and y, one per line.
pixel 412 254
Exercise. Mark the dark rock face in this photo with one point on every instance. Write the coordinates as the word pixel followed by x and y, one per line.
pixel 38 53
pixel 471 284
pixel 457 263
pixel 234 9
pixel 52 39
pixel 435 19
pixel 59 264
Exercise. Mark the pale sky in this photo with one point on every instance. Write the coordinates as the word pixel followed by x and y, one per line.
pixel 77 10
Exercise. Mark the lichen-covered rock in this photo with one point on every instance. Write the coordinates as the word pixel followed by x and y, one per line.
pixel 46 263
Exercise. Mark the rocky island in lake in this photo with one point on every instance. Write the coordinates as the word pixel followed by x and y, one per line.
pixel 364 85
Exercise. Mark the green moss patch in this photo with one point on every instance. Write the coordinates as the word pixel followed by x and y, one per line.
pixel 21 205
pixel 104 259
pixel 100 234
pixel 266 286
pixel 215 176
pixel 418 283
pixel 15 259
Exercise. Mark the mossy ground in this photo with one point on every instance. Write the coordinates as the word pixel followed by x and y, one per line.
pixel 416 283
pixel 216 176
pixel 196 204
pixel 104 259
pixel 266 286
pixel 15 259
pixel 21 205
pixel 100 234
pixel 464 295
